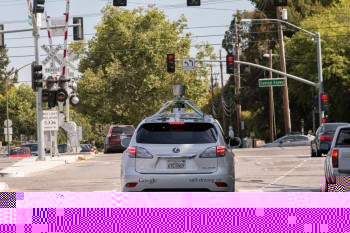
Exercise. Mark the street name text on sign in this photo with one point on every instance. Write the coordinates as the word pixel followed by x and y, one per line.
pixel 188 64
pixel 50 118
pixel 271 82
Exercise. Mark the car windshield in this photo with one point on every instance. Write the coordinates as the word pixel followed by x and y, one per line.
pixel 188 133
pixel 18 151
pixel 120 130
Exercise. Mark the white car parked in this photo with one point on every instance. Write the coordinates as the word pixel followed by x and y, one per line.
pixel 337 163
pixel 178 151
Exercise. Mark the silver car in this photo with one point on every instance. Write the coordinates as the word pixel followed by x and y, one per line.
pixel 290 140
pixel 337 162
pixel 178 151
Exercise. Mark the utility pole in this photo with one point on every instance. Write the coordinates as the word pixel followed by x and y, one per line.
pixel 212 88
pixel 222 97
pixel 271 102
pixel 288 128
pixel 238 81
pixel 39 107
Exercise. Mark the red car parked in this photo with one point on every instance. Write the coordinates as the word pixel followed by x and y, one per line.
pixel 114 137
pixel 20 152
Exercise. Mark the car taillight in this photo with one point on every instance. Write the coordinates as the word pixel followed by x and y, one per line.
pixel 213 152
pixel 131 185
pixel 92 150
pixel 139 152
pixel 335 154
pixel 326 138
pixel 221 184
pixel 110 132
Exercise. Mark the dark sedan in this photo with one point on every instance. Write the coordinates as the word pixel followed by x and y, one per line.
pixel 323 138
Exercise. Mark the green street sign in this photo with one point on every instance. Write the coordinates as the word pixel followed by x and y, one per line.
pixel 30 20
pixel 271 82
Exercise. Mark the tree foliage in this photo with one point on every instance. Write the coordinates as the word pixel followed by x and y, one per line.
pixel 124 66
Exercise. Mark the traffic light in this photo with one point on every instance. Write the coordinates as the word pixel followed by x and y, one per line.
pixel 324 102
pixel 2 37
pixel 281 3
pixel 170 62
pixel 230 62
pixel 119 2
pixel 78 31
pixel 37 76
pixel 38 6
pixel 324 119
pixel 193 2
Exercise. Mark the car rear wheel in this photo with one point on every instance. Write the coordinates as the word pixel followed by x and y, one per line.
pixel 313 153
pixel 319 153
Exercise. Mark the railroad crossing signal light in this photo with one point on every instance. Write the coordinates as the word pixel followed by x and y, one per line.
pixel 119 2
pixel 230 62
pixel 193 2
pixel 37 76
pixel 324 102
pixel 61 95
pixel 281 3
pixel 170 62
pixel 38 6
pixel 2 37
pixel 49 97
pixel 78 31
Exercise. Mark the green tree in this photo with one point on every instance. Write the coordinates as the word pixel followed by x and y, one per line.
pixel 334 31
pixel 22 111
pixel 124 67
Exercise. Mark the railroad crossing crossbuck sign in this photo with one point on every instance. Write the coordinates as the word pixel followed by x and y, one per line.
pixel 52 54
pixel 188 64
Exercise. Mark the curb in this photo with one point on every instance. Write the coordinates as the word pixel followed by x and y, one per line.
pixel 3 186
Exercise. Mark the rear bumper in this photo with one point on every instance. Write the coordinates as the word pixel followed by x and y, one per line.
pixel 115 148
pixel 338 176
pixel 177 182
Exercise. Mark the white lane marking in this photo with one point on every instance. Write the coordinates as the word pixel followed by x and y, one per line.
pixel 287 173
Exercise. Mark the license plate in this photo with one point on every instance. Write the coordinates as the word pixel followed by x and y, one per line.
pixel 176 164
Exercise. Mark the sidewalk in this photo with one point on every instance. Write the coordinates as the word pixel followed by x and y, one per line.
pixel 31 165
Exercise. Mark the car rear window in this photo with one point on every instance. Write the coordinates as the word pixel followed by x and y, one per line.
pixel 32 147
pixel 19 151
pixel 120 130
pixel 344 137
pixel 332 127
pixel 188 133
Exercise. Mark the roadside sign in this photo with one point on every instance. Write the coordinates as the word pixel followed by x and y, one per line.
pixel 50 118
pixel 7 123
pixel 57 31
pixel 7 137
pixel 271 82
pixel 52 70
pixel 188 64
pixel 9 129
pixel 52 54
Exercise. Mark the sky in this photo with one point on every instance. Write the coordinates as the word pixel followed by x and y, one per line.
pixel 208 21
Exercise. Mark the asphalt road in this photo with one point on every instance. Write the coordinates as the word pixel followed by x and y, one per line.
pixel 268 169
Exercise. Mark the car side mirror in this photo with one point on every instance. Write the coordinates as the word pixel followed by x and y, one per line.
pixel 125 142
pixel 235 142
